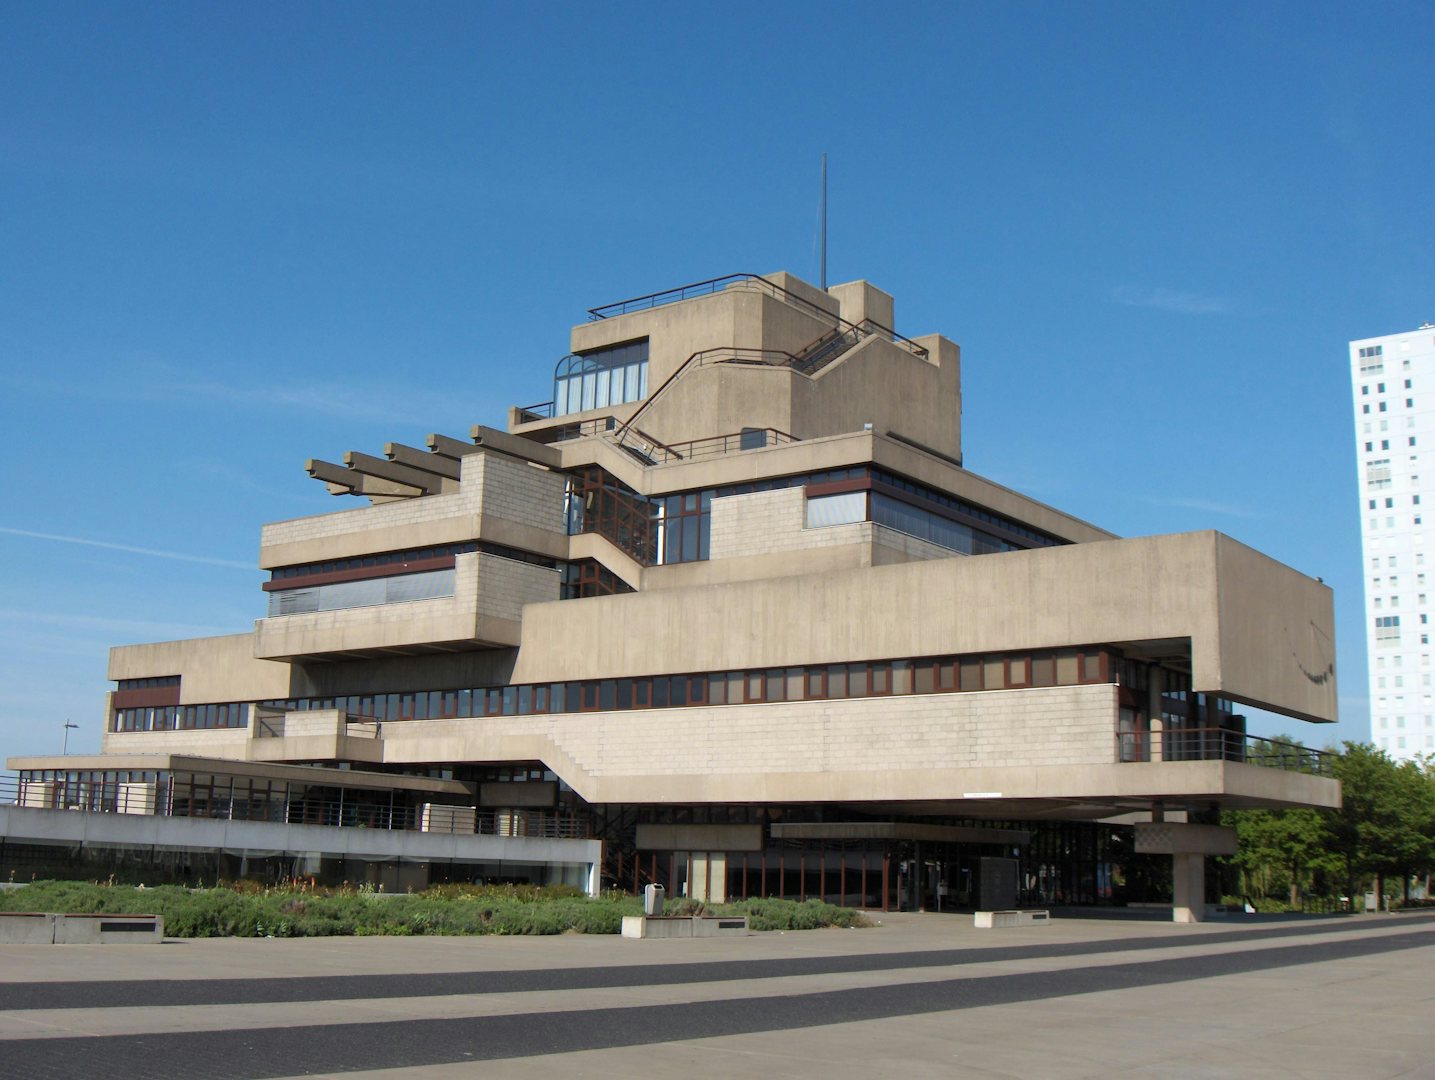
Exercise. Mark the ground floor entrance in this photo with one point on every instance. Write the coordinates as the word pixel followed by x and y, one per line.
pixel 900 866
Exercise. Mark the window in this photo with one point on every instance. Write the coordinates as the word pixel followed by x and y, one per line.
pixel 752 438
pixel 843 509
pixel 367 592
pixel 612 375
pixel 1365 390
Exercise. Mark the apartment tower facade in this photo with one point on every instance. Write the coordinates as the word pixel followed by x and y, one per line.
pixel 1392 378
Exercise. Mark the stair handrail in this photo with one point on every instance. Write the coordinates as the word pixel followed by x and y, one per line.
pixel 697 359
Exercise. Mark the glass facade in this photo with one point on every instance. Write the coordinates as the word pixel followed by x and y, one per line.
pixel 366 592
pixel 906 517
pixel 882 678
pixel 598 503
pixel 934 528
pixel 182 717
pixel 676 528
pixel 595 380
pixel 588 577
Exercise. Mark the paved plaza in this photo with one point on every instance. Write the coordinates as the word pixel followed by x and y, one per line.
pixel 918 996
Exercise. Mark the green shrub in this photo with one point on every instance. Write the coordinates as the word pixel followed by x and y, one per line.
pixel 445 909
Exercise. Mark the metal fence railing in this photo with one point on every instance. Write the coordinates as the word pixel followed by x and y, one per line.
pixel 351 808
pixel 1222 744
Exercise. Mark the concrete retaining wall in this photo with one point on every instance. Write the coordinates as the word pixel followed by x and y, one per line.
pixel 43 928
pixel 643 926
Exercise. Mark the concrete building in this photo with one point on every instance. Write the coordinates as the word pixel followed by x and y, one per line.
pixel 731 604
pixel 1394 425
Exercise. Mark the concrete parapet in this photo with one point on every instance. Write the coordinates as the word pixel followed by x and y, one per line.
pixel 44 928
pixel 1001 920
pixel 684 926
pixel 26 928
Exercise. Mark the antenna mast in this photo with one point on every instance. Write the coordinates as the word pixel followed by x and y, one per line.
pixel 824 222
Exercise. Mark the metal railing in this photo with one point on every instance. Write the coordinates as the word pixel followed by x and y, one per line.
pixel 745 281
pixel 696 288
pixel 544 824
pixel 541 411
pixel 359 808
pixel 1221 744
pixel 748 439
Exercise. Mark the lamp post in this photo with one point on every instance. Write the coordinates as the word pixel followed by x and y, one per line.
pixel 65 743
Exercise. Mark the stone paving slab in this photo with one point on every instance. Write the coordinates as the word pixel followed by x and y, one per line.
pixel 918 996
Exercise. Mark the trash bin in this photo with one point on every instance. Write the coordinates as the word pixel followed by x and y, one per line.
pixel 653 899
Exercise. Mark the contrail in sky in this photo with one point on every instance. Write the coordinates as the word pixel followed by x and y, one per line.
pixel 177 555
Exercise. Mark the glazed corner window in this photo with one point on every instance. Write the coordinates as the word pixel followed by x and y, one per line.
pixel 612 375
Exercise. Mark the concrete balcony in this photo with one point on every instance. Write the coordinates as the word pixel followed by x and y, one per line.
pixel 484 612
pixel 321 735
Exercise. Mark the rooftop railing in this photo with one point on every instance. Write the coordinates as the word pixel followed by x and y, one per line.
pixel 541 411
pixel 1222 744
pixel 745 281
pixel 702 288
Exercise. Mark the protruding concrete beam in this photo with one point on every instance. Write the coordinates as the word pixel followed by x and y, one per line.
pixel 449 447
pixel 415 458
pixel 516 446
pixel 430 483
pixel 351 482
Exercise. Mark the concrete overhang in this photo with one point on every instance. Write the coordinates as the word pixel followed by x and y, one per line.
pixel 1260 632
pixel 158 831
pixel 190 764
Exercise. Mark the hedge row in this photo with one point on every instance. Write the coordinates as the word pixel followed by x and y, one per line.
pixel 247 911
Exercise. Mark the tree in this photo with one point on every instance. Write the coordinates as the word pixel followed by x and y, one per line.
pixel 1281 850
pixel 1386 824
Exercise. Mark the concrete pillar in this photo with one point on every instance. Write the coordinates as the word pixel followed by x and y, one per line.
pixel 1154 722
pixel 1188 881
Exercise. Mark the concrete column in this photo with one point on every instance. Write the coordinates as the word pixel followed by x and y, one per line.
pixel 1153 710
pixel 1188 896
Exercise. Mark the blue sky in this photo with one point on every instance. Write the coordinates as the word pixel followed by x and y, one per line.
pixel 236 237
